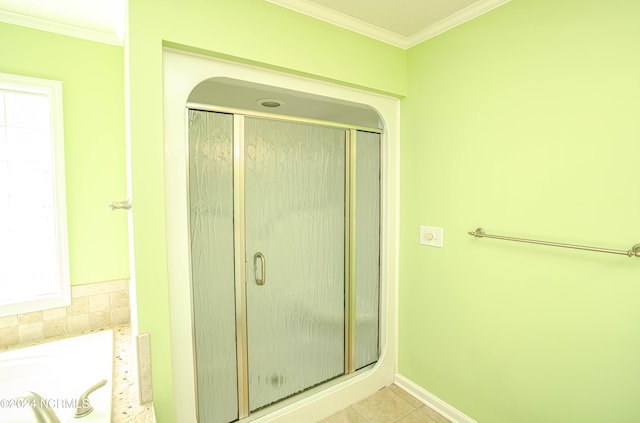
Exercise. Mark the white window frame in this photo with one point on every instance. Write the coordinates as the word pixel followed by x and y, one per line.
pixel 39 301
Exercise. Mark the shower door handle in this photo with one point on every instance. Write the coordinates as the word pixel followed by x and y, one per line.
pixel 263 268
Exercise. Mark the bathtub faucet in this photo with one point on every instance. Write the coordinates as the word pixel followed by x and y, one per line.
pixel 43 413
pixel 84 407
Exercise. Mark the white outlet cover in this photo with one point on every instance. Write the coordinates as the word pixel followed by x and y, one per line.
pixel 431 236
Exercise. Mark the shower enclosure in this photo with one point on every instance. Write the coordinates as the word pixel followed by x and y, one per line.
pixel 284 224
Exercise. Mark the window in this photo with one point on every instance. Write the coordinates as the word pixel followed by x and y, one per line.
pixel 34 271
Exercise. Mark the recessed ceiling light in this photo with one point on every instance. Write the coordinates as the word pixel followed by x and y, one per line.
pixel 270 103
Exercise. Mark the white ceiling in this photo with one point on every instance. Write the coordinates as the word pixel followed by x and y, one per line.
pixel 402 23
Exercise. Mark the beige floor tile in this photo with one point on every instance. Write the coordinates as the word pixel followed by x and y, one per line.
pixel 384 407
pixel 348 415
pixel 434 416
pixel 406 396
pixel 416 417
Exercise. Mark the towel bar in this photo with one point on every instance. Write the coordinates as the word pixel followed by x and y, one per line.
pixel 633 252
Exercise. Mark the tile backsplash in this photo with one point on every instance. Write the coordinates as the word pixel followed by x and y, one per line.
pixel 93 306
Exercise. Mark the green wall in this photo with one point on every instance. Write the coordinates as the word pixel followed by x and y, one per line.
pixel 94 135
pixel 246 31
pixel 525 121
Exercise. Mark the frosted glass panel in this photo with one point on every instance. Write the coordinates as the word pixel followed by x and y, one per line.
pixel 212 264
pixel 367 247
pixel 295 212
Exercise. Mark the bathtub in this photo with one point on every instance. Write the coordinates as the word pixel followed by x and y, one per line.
pixel 59 372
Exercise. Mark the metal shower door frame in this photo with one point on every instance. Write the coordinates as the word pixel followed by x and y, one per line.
pixel 239 227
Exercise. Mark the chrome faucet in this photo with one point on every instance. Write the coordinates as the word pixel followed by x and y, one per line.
pixel 43 413
pixel 84 407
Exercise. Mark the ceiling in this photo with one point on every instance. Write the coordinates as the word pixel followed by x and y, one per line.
pixel 402 23
pixel 232 94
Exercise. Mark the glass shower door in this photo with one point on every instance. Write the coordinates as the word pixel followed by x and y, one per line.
pixel 285 245
pixel 295 253
pixel 211 229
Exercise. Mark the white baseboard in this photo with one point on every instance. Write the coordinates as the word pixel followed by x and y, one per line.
pixel 445 410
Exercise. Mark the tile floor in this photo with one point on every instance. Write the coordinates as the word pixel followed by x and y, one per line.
pixel 389 405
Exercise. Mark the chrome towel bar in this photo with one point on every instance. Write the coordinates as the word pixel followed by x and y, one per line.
pixel 633 252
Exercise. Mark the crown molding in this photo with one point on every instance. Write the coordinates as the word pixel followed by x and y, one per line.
pixel 60 28
pixel 305 7
pixel 372 31
pixel 342 20
pixel 464 15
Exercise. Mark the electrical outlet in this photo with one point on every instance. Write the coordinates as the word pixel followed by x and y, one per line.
pixel 431 235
